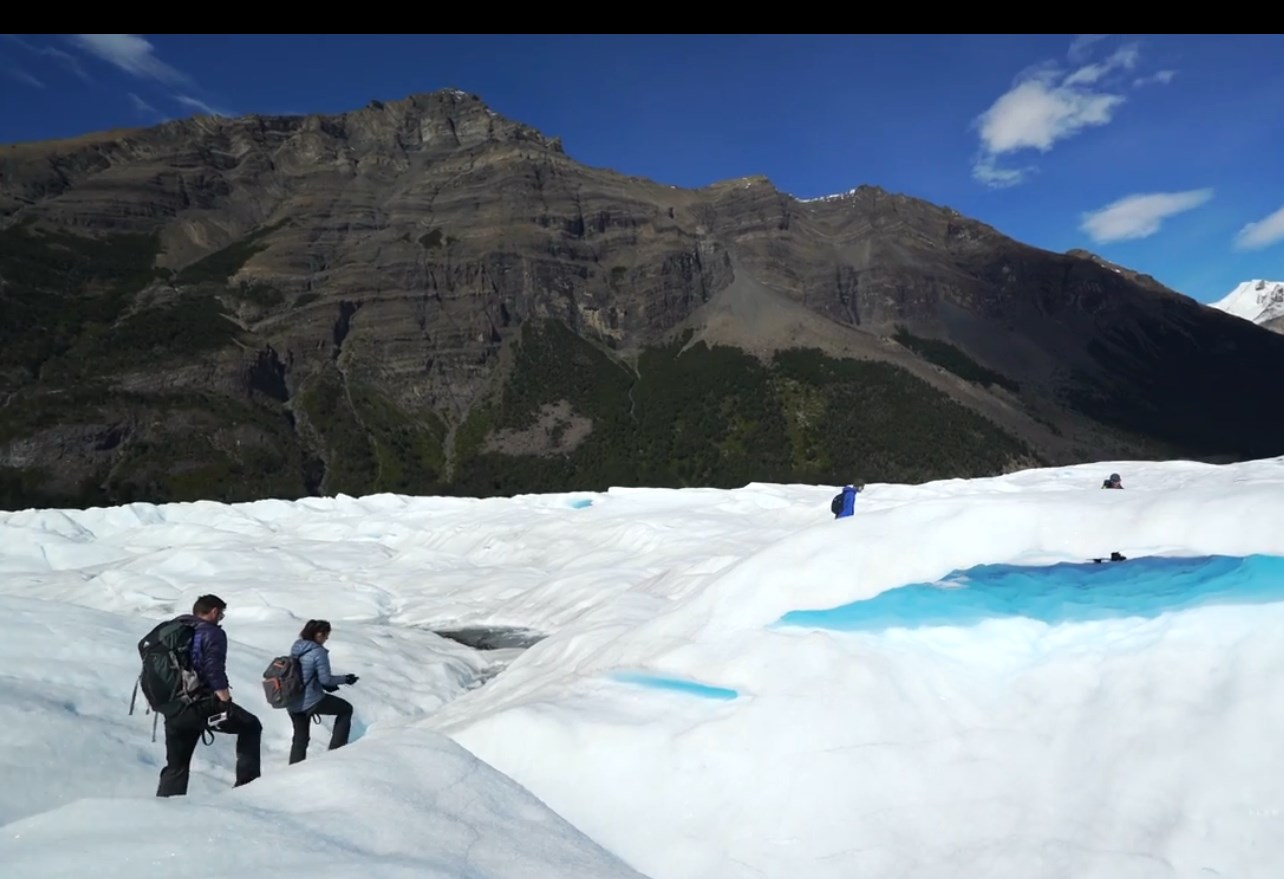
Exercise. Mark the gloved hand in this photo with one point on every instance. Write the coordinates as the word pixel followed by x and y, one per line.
pixel 350 679
pixel 331 689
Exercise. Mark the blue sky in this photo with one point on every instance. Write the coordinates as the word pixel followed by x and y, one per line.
pixel 1162 153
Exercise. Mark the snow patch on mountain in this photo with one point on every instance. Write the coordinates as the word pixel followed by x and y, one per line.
pixel 1258 301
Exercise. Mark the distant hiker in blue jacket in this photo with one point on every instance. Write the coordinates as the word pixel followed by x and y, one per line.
pixel 319 685
pixel 844 503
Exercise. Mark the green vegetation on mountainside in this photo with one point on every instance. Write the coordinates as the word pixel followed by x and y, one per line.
pixel 56 287
pixel 157 447
pixel 717 416
pixel 370 444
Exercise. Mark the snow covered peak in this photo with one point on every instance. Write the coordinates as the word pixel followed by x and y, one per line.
pixel 836 195
pixel 1257 300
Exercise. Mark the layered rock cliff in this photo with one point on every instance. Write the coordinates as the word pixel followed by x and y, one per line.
pixel 421 295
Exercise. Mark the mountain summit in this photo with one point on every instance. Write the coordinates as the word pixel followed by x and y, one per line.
pixel 423 296
pixel 1261 302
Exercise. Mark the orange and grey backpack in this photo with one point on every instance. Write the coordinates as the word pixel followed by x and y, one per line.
pixel 283 681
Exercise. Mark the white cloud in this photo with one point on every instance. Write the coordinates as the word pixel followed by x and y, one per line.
pixel 132 54
pixel 1048 104
pixel 23 76
pixel 1263 233
pixel 1037 114
pixel 1162 77
pixel 1140 215
pixel 199 105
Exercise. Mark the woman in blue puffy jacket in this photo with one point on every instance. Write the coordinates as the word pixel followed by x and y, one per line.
pixel 318 696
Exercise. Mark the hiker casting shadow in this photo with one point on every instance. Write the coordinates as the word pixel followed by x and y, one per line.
pixel 318 696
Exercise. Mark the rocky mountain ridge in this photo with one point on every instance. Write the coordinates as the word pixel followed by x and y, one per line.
pixel 372 301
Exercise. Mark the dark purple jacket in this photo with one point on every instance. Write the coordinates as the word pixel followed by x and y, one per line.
pixel 209 653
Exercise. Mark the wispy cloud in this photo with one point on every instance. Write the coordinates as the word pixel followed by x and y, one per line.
pixel 23 76
pixel 1124 57
pixel 1263 233
pixel 999 178
pixel 65 59
pixel 1048 104
pixel 143 107
pixel 199 105
pixel 1140 215
pixel 1161 77
pixel 132 54
pixel 136 56
pixel 1081 45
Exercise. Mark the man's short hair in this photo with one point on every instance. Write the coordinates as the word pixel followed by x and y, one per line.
pixel 207 603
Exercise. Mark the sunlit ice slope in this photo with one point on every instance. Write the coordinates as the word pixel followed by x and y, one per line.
pixel 79 774
pixel 1066 719
pixel 681 713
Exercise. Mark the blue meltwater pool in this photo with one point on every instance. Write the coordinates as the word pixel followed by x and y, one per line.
pixel 1070 592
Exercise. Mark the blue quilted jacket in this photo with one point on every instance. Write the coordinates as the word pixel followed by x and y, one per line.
pixel 314 663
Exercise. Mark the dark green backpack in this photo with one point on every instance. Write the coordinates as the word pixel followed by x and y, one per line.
pixel 168 681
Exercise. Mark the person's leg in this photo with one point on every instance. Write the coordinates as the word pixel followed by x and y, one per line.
pixel 342 722
pixel 180 744
pixel 302 722
pixel 342 711
pixel 249 732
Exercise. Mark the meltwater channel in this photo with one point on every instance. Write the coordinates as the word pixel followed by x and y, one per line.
pixel 1060 593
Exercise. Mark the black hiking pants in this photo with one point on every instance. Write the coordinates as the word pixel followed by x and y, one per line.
pixel 302 720
pixel 184 731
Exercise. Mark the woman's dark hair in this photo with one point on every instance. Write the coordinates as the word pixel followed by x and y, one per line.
pixel 314 628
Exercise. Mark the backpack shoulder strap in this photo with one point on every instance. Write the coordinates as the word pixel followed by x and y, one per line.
pixel 299 656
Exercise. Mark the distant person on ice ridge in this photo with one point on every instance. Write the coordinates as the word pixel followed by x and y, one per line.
pixel 844 503
pixel 1114 482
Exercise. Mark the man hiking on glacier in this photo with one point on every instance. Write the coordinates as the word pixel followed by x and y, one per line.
pixel 184 678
